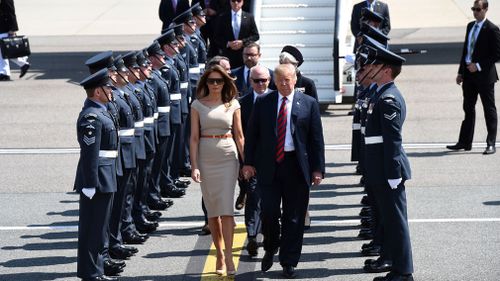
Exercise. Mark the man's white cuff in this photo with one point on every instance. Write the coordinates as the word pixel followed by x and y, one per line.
pixel 89 192
pixel 478 67
pixel 394 182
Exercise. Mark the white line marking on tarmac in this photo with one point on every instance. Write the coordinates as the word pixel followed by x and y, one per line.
pixel 314 222
pixel 31 151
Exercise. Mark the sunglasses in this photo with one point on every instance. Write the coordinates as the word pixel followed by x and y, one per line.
pixel 476 9
pixel 258 81
pixel 236 1
pixel 215 81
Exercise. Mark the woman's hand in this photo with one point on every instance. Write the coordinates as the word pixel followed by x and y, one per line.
pixel 195 175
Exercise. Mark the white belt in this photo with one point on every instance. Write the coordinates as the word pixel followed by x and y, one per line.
pixel 184 85
pixel 194 70
pixel 139 124
pixel 175 96
pixel 126 133
pixel 363 130
pixel 155 116
pixel 163 109
pixel 374 140
pixel 108 153
pixel 149 120
pixel 189 99
pixel 356 126
pixel 202 66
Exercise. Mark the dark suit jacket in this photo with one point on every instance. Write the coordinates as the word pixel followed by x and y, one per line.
pixel 239 74
pixel 306 130
pixel 246 103
pixel 8 20
pixel 166 11
pixel 380 8
pixel 224 34
pixel 486 53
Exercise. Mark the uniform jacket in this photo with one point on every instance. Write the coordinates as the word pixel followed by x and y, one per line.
pixel 148 108
pixel 137 105
pixel 239 74
pixel 126 156
pixel 306 85
pixel 385 156
pixel 170 73
pixel 8 19
pixel 486 53
pixel 380 8
pixel 160 87
pixel 183 71
pixel 166 11
pixel 96 132
pixel 224 34
pixel 306 129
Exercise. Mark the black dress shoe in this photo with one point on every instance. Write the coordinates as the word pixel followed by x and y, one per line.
pixel 143 235
pixel 111 269
pixel 205 230
pixel 153 216
pixel 392 276
pixel 186 182
pixel 289 272
pixel 490 149
pixel 118 263
pixel 252 246
pixel 145 227
pixel 120 253
pixel 159 205
pixel 367 245
pixel 365 201
pixel 134 239
pixel 365 212
pixel 101 278
pixel 131 249
pixel 24 69
pixel 267 260
pixel 358 170
pixel 4 77
pixel 377 267
pixel 459 146
pixel 172 191
pixel 371 251
pixel 180 184
pixel 365 234
pixel 362 181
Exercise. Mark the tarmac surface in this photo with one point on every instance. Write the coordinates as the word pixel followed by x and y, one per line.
pixel 453 198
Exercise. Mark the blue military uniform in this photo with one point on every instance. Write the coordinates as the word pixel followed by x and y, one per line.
pixel 98 139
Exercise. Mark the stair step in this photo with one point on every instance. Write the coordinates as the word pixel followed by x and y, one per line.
pixel 311 38
pixel 307 24
pixel 298 5
pixel 317 12
pixel 297 2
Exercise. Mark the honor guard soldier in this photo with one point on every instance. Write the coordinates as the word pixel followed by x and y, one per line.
pixel 179 83
pixel 124 121
pixel 148 105
pixel 95 176
pixel 387 166
pixel 201 20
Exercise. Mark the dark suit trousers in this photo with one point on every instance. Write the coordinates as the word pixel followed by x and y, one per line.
pixel 396 230
pixel 252 206
pixel 115 224
pixel 290 189
pixel 471 89
pixel 93 232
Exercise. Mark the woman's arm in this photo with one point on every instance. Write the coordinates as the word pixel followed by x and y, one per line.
pixel 238 134
pixel 194 141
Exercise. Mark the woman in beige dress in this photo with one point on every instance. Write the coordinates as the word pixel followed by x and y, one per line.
pixel 216 138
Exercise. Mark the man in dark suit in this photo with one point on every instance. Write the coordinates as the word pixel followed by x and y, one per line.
pixel 235 29
pixel 169 9
pixel 251 56
pixel 373 9
pixel 477 74
pixel 284 147
pixel 260 78
pixel 95 175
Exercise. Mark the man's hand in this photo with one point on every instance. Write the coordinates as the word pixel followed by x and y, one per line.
pixel 459 79
pixel 210 12
pixel 248 172
pixel 235 45
pixel 472 67
pixel 316 178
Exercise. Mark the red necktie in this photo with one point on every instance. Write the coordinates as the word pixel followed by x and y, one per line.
pixel 281 124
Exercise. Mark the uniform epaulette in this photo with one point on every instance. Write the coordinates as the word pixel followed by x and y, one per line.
pixel 90 116
pixel 389 98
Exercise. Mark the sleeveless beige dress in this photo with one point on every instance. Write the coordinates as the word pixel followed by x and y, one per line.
pixel 217 158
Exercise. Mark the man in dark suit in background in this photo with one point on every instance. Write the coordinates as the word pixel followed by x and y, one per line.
pixel 379 8
pixel 235 28
pixel 284 147
pixel 169 9
pixel 478 75
pixel 251 56
pixel 260 79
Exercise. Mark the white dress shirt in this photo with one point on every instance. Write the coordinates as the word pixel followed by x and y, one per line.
pixel 289 146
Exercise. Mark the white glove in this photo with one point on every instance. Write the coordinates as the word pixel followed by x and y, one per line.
pixel 394 183
pixel 89 192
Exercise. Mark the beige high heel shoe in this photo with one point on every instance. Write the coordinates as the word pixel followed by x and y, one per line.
pixel 230 272
pixel 220 271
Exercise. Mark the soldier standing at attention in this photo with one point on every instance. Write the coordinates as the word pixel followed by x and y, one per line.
pixel 95 175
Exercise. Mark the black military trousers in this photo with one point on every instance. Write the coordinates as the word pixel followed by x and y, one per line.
pixel 252 206
pixel 471 90
pixel 115 224
pixel 170 167
pixel 140 196
pixel 185 163
pixel 128 226
pixel 396 230
pixel 93 231
pixel 377 217
pixel 289 190
pixel 154 194
pixel 356 135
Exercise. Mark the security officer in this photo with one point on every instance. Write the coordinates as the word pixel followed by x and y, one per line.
pixel 387 167
pixel 122 114
pixel 96 175
pixel 179 82
pixel 148 104
pixel 201 20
